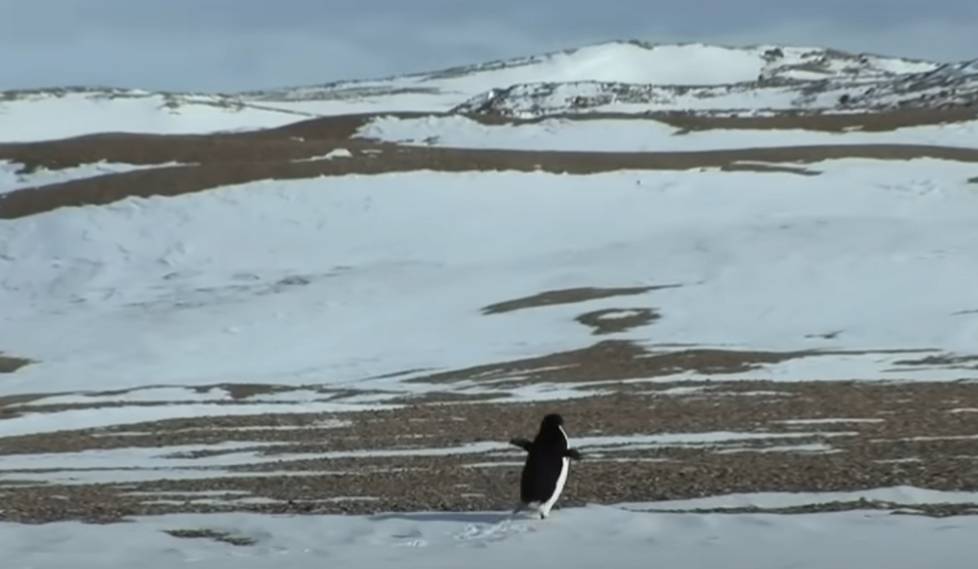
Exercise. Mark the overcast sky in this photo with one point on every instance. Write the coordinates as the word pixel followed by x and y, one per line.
pixel 244 44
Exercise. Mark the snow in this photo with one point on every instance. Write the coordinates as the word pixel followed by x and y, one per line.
pixel 827 421
pixel 149 458
pixel 619 314
pixel 904 495
pixel 251 500
pixel 293 284
pixel 44 117
pixel 11 179
pixel 335 153
pixel 144 395
pixel 535 391
pixel 537 99
pixel 139 475
pixel 929 438
pixel 96 417
pixel 571 538
pixel 171 395
pixel 816 448
pixel 902 66
pixel 633 442
pixel 638 135
pixel 323 424
pixel 201 493
pixel 690 64
pixel 127 464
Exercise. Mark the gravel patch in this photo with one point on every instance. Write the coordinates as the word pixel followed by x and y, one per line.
pixel 907 434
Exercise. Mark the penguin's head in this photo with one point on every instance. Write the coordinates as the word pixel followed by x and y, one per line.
pixel 552 421
pixel 551 430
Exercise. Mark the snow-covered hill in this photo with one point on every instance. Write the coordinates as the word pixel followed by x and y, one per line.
pixel 823 85
pixel 184 290
pixel 627 77
pixel 632 62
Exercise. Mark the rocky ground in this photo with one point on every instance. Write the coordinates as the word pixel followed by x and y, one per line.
pixel 807 436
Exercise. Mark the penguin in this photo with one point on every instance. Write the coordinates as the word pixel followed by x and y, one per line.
pixel 547 463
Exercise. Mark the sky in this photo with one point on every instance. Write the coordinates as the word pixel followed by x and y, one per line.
pixel 232 45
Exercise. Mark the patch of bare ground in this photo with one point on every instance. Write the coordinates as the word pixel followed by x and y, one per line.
pixel 831 335
pixel 221 160
pixel 942 361
pixel 237 395
pixel 768 168
pixel 216 535
pixel 612 320
pixel 867 122
pixel 809 436
pixel 240 391
pixel 234 391
pixel 291 142
pixel 965 312
pixel 801 120
pixel 568 296
pixel 10 364
pixel 622 359
pixel 316 136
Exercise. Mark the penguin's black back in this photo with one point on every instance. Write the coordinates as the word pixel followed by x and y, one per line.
pixel 544 461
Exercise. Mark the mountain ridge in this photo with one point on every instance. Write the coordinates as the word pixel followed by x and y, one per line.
pixel 627 77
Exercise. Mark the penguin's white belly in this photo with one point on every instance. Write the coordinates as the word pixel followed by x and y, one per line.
pixel 561 480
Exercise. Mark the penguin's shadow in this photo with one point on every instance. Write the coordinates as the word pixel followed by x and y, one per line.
pixel 465 517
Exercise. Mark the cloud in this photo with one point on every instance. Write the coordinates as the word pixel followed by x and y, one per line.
pixel 244 44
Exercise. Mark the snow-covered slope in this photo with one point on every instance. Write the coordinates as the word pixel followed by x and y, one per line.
pixel 39 115
pixel 638 135
pixel 290 282
pixel 572 538
pixel 615 76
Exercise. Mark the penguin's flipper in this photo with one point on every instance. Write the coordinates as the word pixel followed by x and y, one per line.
pixel 522 443
pixel 573 453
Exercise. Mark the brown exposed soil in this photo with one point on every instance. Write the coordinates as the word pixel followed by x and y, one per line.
pixel 621 359
pixel 942 360
pixel 177 180
pixel 881 435
pixel 216 535
pixel 317 136
pixel 568 296
pixel 10 364
pixel 802 120
pixel 768 168
pixel 965 312
pixel 291 152
pixel 867 122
